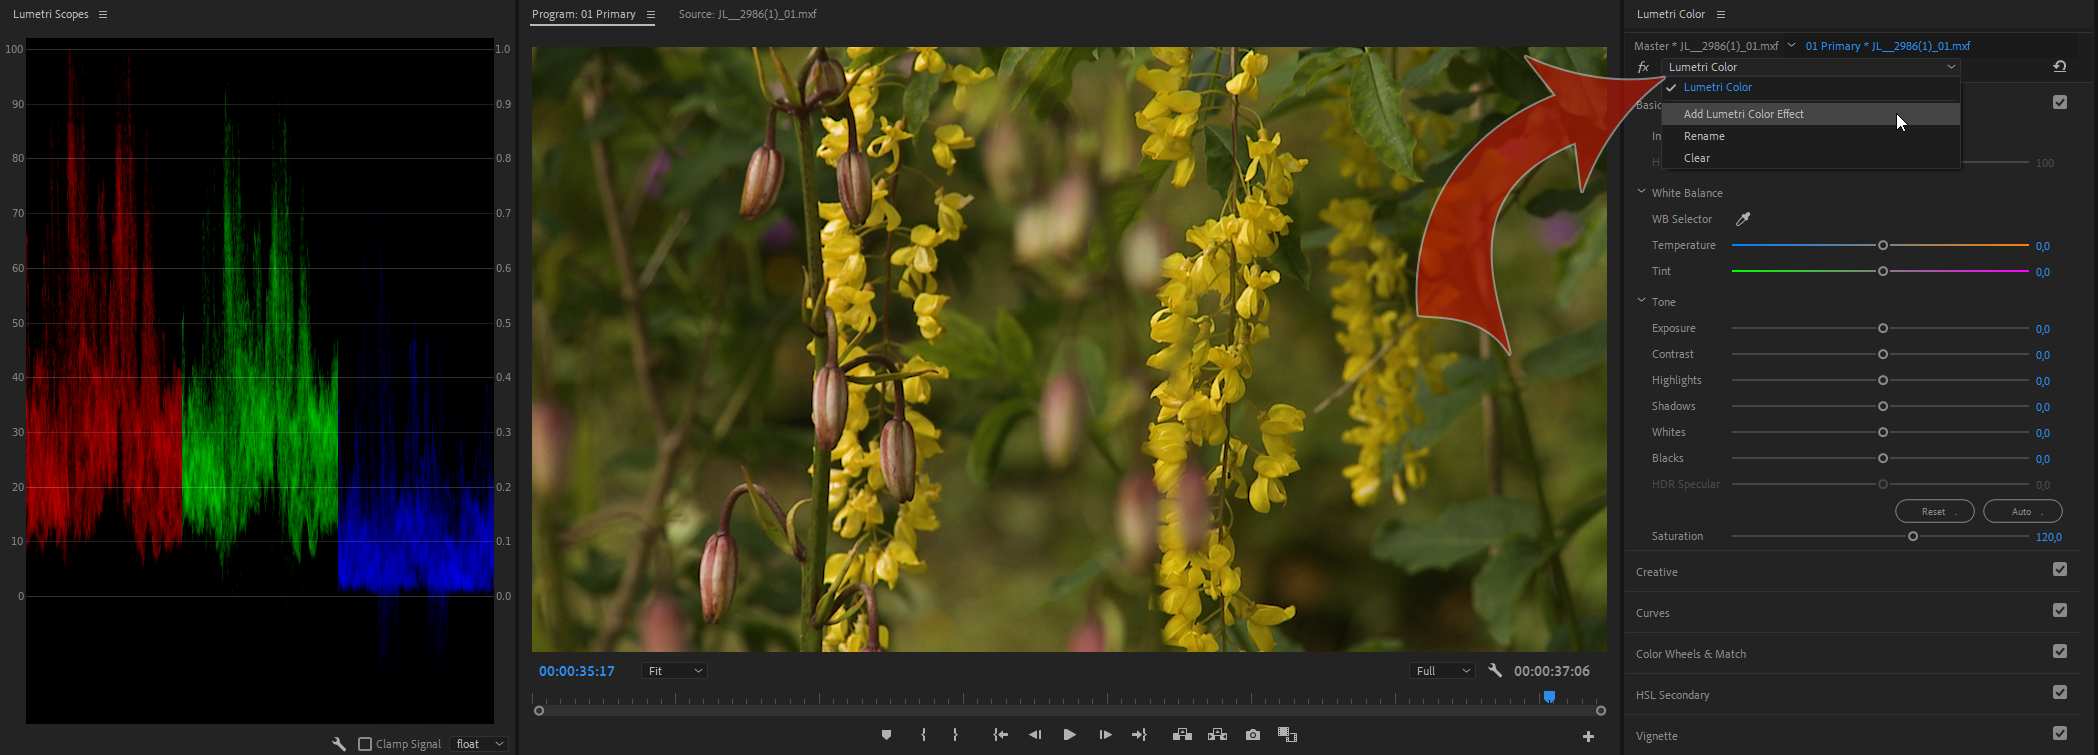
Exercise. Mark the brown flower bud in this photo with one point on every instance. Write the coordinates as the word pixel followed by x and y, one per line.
pixel 855 183
pixel 550 434
pixel 829 412
pixel 899 457
pixel 662 626
pixel 827 407
pixel 761 182
pixel 1136 516
pixel 762 179
pixel 1191 493
pixel 717 575
pixel 1063 418
pixel 825 82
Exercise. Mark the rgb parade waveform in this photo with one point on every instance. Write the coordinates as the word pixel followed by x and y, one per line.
pixel 239 423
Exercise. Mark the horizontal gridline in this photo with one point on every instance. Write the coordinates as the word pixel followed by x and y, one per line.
pixel 287 212
pixel 195 542
pixel 343 595
pixel 483 268
pixel 259 487
pixel 222 159
pixel 490 104
pixel 484 323
pixel 265 432
pixel 258 49
pixel 259 377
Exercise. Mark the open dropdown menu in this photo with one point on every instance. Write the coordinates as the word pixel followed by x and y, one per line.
pixel 1811 114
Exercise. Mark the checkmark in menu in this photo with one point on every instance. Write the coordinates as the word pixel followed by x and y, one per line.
pixel 1670 87
pixel 2061 610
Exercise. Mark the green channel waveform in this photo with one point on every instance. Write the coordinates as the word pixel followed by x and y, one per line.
pixel 259 408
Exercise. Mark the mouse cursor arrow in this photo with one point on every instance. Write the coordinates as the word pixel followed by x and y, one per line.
pixel 1456 257
pixel 1899 124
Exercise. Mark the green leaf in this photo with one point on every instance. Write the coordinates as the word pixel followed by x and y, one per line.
pixel 1575 261
pixel 1015 350
pixel 1118 208
pixel 598 573
pixel 992 56
pixel 1554 56
pixel 554 70
pixel 1289 253
pixel 1462 532
pixel 1044 74
pixel 1420 75
pixel 1378 645
pixel 773 529
pixel 1595 636
pixel 1571 199
pixel 1466 381
pixel 917 99
pixel 1051 82
pixel 966 350
pixel 692 174
pixel 1220 168
pixel 1445 103
pixel 1513 75
pixel 1572 521
pixel 1092 370
pixel 1313 69
pixel 1373 101
pixel 1570 354
pixel 1016 57
pixel 876 55
pixel 1077 579
pixel 609 119
pixel 989 441
pixel 1501 583
pixel 1588 60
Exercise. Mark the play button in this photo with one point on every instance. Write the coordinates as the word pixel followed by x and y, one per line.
pixel 1068 734
pixel 1104 734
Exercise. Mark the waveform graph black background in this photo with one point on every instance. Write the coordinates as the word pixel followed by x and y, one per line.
pixel 398 247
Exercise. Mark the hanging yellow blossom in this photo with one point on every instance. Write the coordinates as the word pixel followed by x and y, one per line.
pixel 928 61
pixel 946 140
pixel 965 77
pixel 1247 82
pixel 1216 289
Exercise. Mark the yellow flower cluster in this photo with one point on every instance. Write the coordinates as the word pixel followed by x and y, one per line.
pixel 883 549
pixel 1205 378
pixel 1170 117
pixel 1372 307
pixel 1432 130
pixel 866 91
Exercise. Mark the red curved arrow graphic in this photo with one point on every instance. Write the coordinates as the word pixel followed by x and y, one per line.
pixel 1456 268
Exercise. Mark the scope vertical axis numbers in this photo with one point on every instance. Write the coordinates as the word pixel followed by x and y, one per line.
pixel 15 62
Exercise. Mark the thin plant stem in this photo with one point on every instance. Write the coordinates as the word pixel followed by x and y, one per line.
pixel 1546 535
pixel 817 531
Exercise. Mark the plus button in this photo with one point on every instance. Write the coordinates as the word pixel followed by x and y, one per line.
pixel 1590 737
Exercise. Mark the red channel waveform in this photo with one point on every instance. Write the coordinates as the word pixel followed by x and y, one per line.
pixel 105 394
